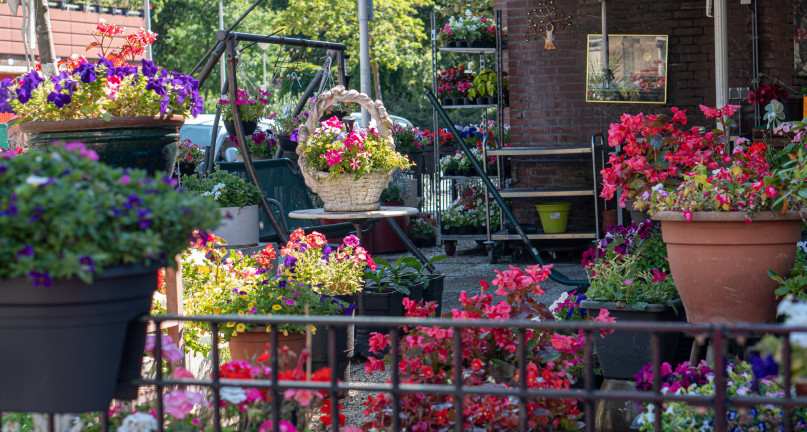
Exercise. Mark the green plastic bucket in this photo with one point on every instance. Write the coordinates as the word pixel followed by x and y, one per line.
pixel 554 216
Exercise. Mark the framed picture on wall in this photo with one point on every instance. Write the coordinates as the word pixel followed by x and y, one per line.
pixel 638 69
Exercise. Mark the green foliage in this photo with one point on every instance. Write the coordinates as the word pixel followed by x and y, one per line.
pixel 226 188
pixel 422 228
pixel 400 275
pixel 796 282
pixel 630 266
pixel 65 215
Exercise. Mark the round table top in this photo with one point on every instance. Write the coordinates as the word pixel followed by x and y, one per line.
pixel 384 212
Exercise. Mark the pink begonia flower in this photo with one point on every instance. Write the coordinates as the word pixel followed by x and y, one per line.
pixel 170 351
pixel 284 426
pixel 181 372
pixel 303 397
pixel 605 317
pixel 179 403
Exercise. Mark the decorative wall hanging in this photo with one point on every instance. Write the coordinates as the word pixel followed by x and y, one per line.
pixel 544 21
pixel 638 64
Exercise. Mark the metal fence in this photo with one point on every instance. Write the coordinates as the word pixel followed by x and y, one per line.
pixel 719 336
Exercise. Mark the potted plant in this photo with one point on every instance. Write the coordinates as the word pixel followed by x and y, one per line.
pixel 427 357
pixel 251 108
pixel 348 169
pixel 410 141
pixel 237 199
pixel 261 146
pixel 421 230
pixel 285 128
pixel 332 273
pixel 129 115
pixel 218 282
pixel 82 248
pixel 742 379
pixel 724 216
pixel 795 314
pixel 189 157
pixel 629 276
pixel 453 85
pixel 484 87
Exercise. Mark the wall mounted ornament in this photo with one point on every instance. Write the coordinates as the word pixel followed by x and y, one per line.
pixel 544 21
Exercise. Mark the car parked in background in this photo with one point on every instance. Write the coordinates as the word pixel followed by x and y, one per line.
pixel 200 130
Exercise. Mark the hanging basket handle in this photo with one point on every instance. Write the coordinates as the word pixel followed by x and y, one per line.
pixel 339 94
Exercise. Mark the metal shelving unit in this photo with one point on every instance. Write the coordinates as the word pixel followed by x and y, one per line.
pixel 445 186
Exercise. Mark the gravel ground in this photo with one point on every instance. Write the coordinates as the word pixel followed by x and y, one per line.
pixel 463 273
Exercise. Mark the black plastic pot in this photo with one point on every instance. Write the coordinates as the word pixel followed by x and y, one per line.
pixel 73 342
pixel 387 302
pixel 285 143
pixel 623 353
pixel 344 349
pixel 433 291
pixel 125 142
pixel 249 127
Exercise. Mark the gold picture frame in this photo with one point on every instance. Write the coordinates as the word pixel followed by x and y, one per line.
pixel 638 65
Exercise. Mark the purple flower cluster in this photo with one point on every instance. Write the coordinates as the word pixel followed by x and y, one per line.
pixel 683 376
pixel 625 235
pixel 171 87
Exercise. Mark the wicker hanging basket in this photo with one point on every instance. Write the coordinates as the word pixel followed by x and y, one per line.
pixel 345 194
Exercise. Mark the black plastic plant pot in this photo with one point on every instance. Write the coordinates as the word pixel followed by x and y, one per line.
pixel 74 342
pixel 249 127
pixel 386 303
pixel 623 354
pixel 126 142
pixel 434 291
pixel 286 143
pixel 345 337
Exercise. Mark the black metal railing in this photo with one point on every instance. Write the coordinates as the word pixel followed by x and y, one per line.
pixel 719 336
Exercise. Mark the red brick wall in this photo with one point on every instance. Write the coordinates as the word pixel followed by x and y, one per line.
pixel 547 88
pixel 72 31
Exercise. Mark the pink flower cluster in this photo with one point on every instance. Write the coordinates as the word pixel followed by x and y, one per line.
pixel 428 358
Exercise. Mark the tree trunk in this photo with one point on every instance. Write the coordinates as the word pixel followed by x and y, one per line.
pixel 44 39
pixel 376 81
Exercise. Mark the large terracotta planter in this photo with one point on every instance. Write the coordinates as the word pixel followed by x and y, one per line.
pixel 719 263
pixel 148 143
pixel 248 346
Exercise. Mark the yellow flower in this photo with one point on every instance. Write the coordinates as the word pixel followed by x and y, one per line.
pixel 240 312
pixel 277 307
pixel 217 310
pixel 240 327
pixel 313 330
pixel 268 328
pixel 230 324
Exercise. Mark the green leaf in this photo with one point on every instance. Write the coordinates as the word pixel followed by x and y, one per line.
pixel 639 306
pixel 803 193
pixel 501 370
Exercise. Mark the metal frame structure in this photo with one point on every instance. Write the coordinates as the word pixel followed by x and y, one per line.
pixel 720 336
pixel 226 42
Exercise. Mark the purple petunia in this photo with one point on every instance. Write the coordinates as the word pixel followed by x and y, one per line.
pixel 40 279
pixel 86 72
pixel 87 264
pixel 26 251
pixel 143 219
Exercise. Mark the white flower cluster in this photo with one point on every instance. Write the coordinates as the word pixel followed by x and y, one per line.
pixel 216 192
pixel 138 422
pixel 796 316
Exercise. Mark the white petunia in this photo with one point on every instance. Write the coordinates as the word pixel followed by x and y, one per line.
pixel 234 395
pixel 36 180
pixel 138 422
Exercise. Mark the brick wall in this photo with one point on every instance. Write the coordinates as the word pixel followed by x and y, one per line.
pixel 547 88
pixel 72 31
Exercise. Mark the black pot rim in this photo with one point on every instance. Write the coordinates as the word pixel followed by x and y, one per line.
pixel 614 306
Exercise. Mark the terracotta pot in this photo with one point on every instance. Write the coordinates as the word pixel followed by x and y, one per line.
pixel 148 143
pixel 247 346
pixel 719 263
pixel 801 386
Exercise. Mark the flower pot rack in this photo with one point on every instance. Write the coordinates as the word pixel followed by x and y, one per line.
pixel 227 42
